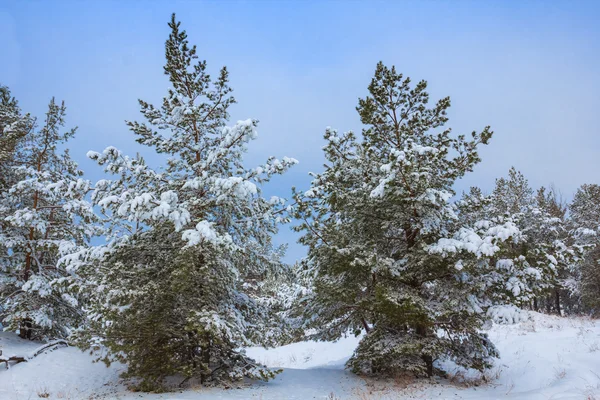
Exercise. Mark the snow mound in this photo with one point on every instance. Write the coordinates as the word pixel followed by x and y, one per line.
pixel 542 357
pixel 507 315
pixel 307 355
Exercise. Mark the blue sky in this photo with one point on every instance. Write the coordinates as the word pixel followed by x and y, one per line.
pixel 530 69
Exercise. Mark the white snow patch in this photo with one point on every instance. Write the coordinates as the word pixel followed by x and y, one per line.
pixel 542 357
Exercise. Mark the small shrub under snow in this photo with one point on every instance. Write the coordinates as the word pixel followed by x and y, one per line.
pixel 507 314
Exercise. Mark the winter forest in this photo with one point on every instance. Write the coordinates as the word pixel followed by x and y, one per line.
pixel 166 280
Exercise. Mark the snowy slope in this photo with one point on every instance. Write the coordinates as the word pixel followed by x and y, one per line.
pixel 545 357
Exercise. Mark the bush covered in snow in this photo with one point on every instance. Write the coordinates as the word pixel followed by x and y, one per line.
pixel 507 314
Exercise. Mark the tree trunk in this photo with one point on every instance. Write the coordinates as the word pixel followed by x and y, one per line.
pixel 25 328
pixel 365 325
pixel 206 359
pixel 428 359
pixel 429 364
pixel 557 301
pixel 535 304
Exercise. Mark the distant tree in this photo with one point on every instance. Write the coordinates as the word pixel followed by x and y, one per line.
pixel 14 128
pixel 558 238
pixel 585 218
pixel 545 252
pixel 585 211
pixel 512 195
pixel 545 248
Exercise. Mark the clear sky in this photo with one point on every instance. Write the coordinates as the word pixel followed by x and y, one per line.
pixel 530 69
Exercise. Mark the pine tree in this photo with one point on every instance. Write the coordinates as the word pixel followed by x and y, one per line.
pixel 585 212
pixel 44 217
pixel 512 195
pixel 387 252
pixel 559 245
pixel 14 127
pixel 544 253
pixel 182 283
pixel 585 219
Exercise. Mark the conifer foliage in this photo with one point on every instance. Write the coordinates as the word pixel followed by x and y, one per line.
pixel 14 126
pixel 542 259
pixel 585 220
pixel 43 217
pixel 388 254
pixel 174 291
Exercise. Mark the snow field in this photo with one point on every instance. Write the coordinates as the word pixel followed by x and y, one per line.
pixel 542 357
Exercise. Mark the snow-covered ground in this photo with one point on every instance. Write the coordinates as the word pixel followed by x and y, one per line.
pixel 545 357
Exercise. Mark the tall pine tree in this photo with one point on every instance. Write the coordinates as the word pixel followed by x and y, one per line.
pixel 44 217
pixel 179 287
pixel 388 255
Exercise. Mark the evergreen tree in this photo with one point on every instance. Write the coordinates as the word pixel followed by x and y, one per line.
pixel 44 217
pixel 387 252
pixel 585 212
pixel 585 219
pixel 14 127
pixel 182 283
pixel 544 252
pixel 560 245
pixel 512 195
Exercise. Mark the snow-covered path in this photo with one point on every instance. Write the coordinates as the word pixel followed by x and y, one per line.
pixel 544 358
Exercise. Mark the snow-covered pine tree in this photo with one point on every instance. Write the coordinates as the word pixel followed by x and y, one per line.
pixel 584 214
pixel 387 253
pixel 512 195
pixel 544 252
pixel 541 262
pixel 560 249
pixel 14 127
pixel 44 216
pixel 177 289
